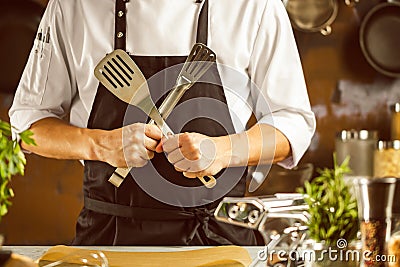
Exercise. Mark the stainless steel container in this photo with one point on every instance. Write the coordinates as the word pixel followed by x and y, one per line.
pixel 360 146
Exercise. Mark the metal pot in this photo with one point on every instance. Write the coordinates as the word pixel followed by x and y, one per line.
pixel 312 15
pixel 380 38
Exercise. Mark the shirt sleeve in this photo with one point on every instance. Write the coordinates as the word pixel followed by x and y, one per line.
pixel 279 95
pixel 45 88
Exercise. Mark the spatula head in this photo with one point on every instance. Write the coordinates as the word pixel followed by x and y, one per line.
pixel 121 76
pixel 197 63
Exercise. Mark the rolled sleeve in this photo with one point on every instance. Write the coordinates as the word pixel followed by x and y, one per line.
pixel 280 96
pixel 45 88
pixel 298 129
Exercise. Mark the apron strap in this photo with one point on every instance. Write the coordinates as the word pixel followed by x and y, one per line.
pixel 139 213
pixel 120 24
pixel 201 215
pixel 202 27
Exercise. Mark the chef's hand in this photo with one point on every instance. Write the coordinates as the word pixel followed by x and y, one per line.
pixel 194 154
pixel 132 145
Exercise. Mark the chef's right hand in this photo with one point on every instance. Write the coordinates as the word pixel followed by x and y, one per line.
pixel 132 145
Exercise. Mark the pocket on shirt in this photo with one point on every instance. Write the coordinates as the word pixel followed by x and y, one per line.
pixel 37 74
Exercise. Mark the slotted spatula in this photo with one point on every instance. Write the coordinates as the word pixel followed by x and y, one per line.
pixel 122 77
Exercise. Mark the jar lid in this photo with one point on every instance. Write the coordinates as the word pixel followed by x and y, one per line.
pixel 382 145
pixel 360 135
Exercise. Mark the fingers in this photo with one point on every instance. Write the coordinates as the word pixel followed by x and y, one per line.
pixel 139 142
pixel 150 144
pixel 152 131
pixel 190 151
pixel 160 145
pixel 172 143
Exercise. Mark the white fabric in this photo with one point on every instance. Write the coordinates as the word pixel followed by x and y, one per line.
pixel 252 37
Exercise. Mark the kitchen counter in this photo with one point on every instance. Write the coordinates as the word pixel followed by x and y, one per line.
pixel 35 252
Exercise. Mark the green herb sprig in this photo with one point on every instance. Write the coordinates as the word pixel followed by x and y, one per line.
pixel 332 207
pixel 12 162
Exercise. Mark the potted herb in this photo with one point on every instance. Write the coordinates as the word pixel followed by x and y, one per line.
pixel 12 162
pixel 332 207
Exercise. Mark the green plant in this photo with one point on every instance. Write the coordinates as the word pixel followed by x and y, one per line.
pixel 12 162
pixel 332 207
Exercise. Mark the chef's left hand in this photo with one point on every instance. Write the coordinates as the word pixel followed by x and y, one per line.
pixel 194 154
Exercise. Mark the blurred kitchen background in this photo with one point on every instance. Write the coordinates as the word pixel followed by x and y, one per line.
pixel 345 91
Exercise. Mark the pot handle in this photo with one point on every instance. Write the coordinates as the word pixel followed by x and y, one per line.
pixel 326 31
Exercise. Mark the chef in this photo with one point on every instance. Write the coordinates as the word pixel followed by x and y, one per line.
pixel 73 116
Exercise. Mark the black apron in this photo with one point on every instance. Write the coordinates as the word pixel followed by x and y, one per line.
pixel 128 215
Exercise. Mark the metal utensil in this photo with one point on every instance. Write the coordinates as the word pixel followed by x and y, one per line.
pixel 197 63
pixel 122 77
pixel 200 59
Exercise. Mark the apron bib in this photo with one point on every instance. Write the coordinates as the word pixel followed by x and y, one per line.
pixel 128 215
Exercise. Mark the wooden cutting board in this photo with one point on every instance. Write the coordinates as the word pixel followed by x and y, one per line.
pixel 227 256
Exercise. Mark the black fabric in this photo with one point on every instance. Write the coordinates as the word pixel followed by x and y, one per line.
pixel 4 256
pixel 129 216
pixel 202 32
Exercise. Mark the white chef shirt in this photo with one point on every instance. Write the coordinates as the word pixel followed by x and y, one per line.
pixel 253 37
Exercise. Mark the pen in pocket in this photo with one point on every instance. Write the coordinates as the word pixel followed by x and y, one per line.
pixel 45 39
pixel 39 38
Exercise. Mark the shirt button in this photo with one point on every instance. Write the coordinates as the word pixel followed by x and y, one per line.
pixel 120 34
pixel 120 13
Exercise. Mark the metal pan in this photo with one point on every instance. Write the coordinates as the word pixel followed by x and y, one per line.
pixel 19 20
pixel 380 38
pixel 312 15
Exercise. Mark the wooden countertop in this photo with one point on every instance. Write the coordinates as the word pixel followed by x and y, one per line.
pixel 35 252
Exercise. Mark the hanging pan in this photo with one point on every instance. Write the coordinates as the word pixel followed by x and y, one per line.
pixel 312 15
pixel 380 38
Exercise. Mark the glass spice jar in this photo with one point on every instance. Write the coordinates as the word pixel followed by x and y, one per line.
pixel 387 159
pixel 375 217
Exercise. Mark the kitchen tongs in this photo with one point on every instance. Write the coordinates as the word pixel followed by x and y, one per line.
pixel 200 59
pixel 122 77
